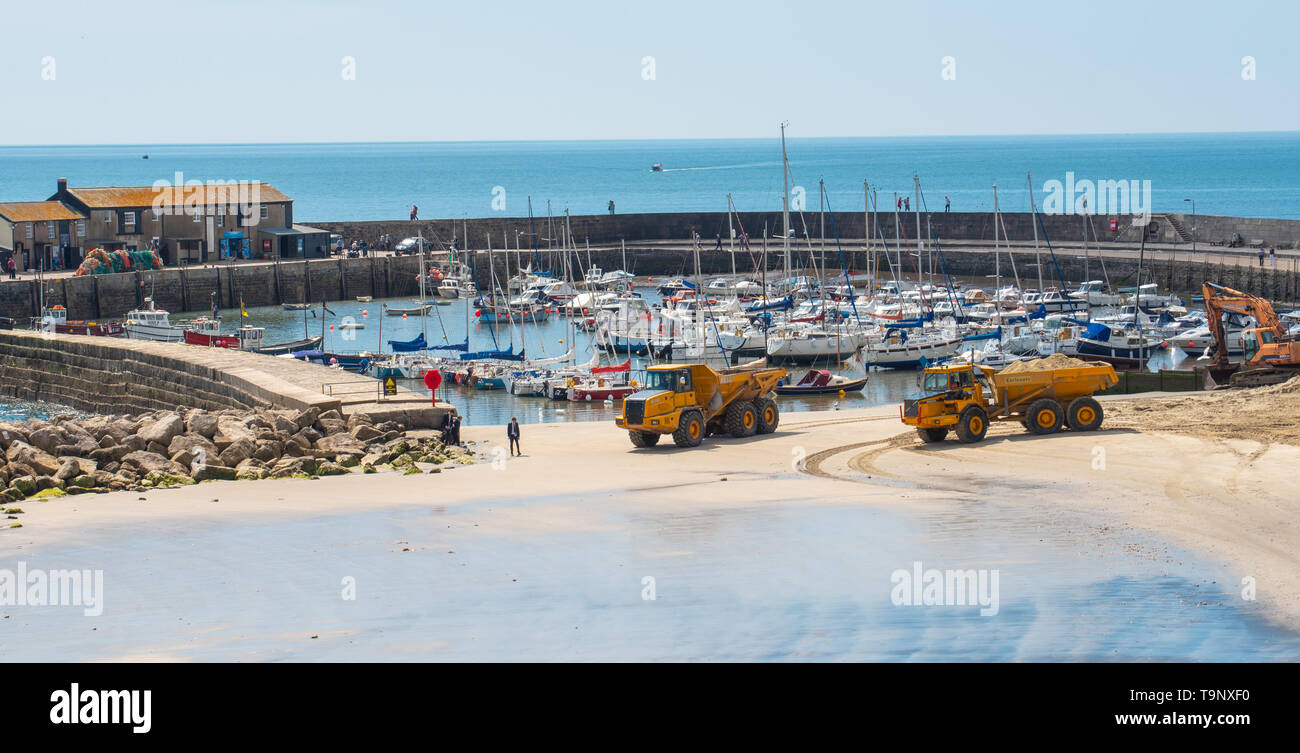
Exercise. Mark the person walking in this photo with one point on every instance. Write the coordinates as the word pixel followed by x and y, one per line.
pixel 455 429
pixel 512 433
pixel 415 212
pixel 1261 256
pixel 696 233
pixel 907 203
pixel 947 205
pixel 1272 257
pixel 718 245
pixel 9 265
pixel 611 207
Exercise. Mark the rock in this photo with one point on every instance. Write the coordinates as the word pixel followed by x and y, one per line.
pixel 162 430
pixel 132 443
pixel 47 438
pixel 359 419
pixel 348 461
pixel 11 432
pixel 83 446
pixel 310 434
pixel 203 424
pixel 107 441
pixel 282 425
pixel 306 417
pixel 164 479
pixel 365 432
pixel 46 482
pixel 238 451
pixel 39 460
pixel 24 484
pixel 341 444
pixel 84 482
pixel 328 426
pixel 291 467
pixel 109 454
pixel 331 415
pixel 230 430
pixel 193 443
pixel 68 471
pixel 331 469
pixel 84 465
pixel 268 450
pixel 157 448
pixel 149 462
pixel 13 495
pixel 50 493
pixel 215 472
pixel 184 458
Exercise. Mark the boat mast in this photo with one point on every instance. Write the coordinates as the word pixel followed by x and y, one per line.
pixel 1038 258
pixel 785 203
pixel 997 258
pixel 866 251
pixel 423 273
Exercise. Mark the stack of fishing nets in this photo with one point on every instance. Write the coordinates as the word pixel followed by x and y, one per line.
pixel 101 262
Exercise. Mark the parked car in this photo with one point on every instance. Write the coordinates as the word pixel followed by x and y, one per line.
pixel 407 246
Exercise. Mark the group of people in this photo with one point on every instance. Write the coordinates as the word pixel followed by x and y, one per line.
pixel 1272 256
pixel 451 432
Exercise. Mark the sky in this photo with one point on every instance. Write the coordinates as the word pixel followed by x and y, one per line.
pixel 295 71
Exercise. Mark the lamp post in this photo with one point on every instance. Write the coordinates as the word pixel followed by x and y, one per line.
pixel 1193 201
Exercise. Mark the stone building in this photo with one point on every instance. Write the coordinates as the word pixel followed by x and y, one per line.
pixel 41 234
pixel 188 224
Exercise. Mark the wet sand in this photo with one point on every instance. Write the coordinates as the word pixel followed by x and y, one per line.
pixel 768 548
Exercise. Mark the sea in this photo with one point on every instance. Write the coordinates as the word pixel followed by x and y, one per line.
pixel 1246 174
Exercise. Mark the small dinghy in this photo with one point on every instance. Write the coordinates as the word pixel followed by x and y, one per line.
pixel 822 382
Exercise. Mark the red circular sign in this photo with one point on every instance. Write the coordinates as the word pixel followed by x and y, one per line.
pixel 432 379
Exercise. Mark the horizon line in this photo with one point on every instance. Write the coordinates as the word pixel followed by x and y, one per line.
pixel 635 140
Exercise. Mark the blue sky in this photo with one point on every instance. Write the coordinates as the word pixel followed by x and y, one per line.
pixel 134 72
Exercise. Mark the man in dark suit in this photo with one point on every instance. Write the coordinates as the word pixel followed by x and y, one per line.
pixel 512 433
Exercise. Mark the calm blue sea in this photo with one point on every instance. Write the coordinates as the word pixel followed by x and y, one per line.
pixel 1250 174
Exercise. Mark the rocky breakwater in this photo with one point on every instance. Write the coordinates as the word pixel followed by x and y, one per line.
pixel 70 455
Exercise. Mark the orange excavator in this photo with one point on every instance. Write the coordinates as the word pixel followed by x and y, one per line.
pixel 1270 355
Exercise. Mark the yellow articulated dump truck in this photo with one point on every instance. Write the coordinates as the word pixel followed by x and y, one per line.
pixel 692 401
pixel 965 398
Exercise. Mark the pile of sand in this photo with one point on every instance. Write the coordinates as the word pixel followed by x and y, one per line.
pixel 1055 361
pixel 1264 414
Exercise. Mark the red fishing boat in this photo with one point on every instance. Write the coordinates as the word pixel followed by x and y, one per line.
pixel 605 383
pixel 206 333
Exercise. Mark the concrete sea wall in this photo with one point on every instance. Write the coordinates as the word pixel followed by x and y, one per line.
pixel 193 288
pixel 116 375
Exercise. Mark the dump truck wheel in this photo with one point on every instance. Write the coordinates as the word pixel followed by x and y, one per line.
pixel 1084 414
pixel 742 419
pixel 690 430
pixel 930 436
pixel 644 438
pixel 1044 416
pixel 973 424
pixel 769 415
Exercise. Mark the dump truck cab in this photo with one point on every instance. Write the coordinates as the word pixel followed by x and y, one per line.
pixel 948 392
pixel 691 401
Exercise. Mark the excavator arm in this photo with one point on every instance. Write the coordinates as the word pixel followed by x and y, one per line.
pixel 1219 299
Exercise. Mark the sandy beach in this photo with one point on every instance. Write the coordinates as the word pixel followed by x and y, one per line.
pixel 794 534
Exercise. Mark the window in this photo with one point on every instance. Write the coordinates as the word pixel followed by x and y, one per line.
pixel 128 219
pixel 31 230
pixel 266 212
pixel 81 228
pixel 108 218
pixel 52 230
pixel 198 216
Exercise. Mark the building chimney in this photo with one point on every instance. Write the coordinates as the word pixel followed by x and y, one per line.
pixel 63 185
